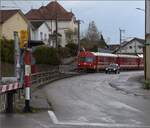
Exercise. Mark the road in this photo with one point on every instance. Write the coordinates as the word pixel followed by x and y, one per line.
pixel 90 100
pixel 86 101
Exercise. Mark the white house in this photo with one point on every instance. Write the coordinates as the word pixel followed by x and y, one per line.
pixel 134 46
pixel 56 16
pixel 40 31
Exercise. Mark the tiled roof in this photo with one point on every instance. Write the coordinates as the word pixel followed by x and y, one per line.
pixel 123 44
pixel 49 12
pixel 113 46
pixel 6 14
pixel 37 24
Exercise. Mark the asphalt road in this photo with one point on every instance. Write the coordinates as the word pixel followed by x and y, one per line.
pixel 89 100
pixel 86 101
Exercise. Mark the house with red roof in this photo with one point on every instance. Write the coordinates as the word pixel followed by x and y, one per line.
pixel 59 21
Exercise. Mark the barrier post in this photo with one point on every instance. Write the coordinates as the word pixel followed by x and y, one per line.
pixel 27 80
pixel 9 102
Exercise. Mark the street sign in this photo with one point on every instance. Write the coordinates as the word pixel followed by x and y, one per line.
pixel 23 38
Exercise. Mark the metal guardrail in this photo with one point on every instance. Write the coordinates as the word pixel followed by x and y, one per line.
pixel 36 80
pixel 2 102
pixel 44 77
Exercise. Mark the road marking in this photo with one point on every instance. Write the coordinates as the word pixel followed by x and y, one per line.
pixel 75 123
pixel 121 105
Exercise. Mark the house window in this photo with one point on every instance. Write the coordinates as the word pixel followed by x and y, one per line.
pixel 130 47
pixel 45 36
pixel 41 35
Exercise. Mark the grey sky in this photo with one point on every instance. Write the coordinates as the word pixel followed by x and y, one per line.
pixel 109 16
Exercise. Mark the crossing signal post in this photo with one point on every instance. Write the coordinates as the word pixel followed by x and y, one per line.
pixel 27 67
pixel 27 79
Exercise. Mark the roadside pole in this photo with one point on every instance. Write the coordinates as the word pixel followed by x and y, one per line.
pixel 27 79
pixel 147 41
pixel 10 94
pixel 78 37
pixel 24 45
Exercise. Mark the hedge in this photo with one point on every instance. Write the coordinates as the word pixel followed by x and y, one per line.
pixel 7 50
pixel 46 55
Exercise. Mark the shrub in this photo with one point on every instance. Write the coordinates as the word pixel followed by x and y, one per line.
pixel 7 50
pixel 64 52
pixel 147 84
pixel 72 48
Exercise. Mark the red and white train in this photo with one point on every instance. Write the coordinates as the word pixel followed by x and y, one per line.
pixel 99 61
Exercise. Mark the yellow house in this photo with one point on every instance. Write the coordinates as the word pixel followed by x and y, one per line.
pixel 10 21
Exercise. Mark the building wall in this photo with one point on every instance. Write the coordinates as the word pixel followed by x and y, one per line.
pixel 15 23
pixel 40 33
pixel 132 48
pixel 45 33
pixel 62 27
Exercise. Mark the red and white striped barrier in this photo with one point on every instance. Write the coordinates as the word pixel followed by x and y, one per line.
pixel 9 87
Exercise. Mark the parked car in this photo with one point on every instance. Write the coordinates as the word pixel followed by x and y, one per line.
pixel 112 68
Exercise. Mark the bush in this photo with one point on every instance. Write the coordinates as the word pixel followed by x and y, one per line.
pixel 7 50
pixel 46 55
pixel 72 48
pixel 147 84
pixel 64 52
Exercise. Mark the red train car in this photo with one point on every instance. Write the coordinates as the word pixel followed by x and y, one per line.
pixel 99 61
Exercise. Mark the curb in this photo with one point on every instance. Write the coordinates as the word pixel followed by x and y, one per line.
pixel 128 92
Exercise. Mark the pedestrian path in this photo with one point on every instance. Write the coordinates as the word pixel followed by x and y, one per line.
pixel 131 85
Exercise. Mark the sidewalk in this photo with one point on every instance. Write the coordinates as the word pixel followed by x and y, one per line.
pixel 39 117
pixel 131 85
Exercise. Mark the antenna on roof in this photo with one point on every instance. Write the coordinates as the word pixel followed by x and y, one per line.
pixel 42 3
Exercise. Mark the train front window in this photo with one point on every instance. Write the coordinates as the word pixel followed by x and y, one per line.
pixel 86 59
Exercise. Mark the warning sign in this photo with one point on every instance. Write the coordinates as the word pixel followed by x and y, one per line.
pixel 23 38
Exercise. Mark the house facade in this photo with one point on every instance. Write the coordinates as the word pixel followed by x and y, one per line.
pixel 134 46
pixel 10 21
pixel 39 31
pixel 58 19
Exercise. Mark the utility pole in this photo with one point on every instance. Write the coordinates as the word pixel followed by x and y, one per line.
pixel 121 31
pixel 78 36
pixel 56 24
pixel 79 22
pixel 147 41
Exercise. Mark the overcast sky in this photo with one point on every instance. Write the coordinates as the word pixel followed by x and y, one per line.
pixel 109 16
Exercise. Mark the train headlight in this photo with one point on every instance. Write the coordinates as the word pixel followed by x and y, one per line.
pixel 106 68
pixel 114 69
